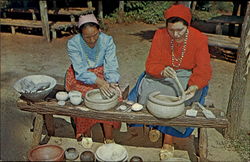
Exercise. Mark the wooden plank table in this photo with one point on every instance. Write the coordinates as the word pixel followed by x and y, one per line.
pixel 50 107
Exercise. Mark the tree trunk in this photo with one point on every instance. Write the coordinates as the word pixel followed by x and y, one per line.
pixel 44 19
pixel 238 89
pixel 100 10
pixel 121 11
pixel 194 3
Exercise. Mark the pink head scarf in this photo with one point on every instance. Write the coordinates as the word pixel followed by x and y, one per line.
pixel 86 19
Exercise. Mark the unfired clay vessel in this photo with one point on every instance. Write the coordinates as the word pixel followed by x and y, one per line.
pixel 94 100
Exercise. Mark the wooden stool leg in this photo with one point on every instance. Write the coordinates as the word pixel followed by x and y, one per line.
pixel 37 134
pixel 13 30
pixel 203 144
pixel 49 122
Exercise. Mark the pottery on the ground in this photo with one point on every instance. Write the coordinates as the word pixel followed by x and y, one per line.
pixel 46 153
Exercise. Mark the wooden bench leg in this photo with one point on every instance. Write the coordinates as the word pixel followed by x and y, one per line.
pixel 54 35
pixel 37 134
pixel 202 139
pixel 49 123
pixel 13 30
pixel 218 29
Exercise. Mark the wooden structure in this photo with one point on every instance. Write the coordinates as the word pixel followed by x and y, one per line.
pixel 223 41
pixel 225 19
pixel 46 25
pixel 50 107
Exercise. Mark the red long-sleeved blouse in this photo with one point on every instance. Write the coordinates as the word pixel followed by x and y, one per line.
pixel 196 57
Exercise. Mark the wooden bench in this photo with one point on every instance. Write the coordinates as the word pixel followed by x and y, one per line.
pixel 223 41
pixel 54 26
pixel 225 19
pixel 71 11
pixel 46 109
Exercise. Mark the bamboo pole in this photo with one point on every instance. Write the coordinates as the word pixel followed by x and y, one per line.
pixel 44 19
pixel 237 94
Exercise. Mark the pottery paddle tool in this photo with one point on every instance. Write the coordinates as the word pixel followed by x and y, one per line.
pixel 192 112
pixel 208 114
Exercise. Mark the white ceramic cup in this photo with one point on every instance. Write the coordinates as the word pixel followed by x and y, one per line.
pixel 75 99
pixel 62 96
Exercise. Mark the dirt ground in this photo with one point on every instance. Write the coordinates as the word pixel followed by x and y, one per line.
pixel 23 55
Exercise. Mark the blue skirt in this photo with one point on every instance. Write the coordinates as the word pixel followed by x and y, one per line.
pixel 133 96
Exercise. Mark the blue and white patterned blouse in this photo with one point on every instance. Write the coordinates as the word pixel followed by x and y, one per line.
pixel 83 57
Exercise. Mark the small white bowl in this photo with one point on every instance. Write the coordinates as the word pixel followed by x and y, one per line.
pixel 62 96
pixel 136 107
pixel 75 93
pixel 76 100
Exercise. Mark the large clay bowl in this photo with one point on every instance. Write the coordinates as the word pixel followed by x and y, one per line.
pixel 94 100
pixel 39 95
pixel 166 107
pixel 46 153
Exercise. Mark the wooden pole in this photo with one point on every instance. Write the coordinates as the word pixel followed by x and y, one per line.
pixel 38 127
pixel 100 10
pixel 89 4
pixel 121 11
pixel 237 94
pixel 194 3
pixel 44 19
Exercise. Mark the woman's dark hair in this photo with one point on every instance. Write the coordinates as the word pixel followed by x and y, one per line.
pixel 176 19
pixel 91 24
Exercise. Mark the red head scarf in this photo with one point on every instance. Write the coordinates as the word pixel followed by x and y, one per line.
pixel 180 11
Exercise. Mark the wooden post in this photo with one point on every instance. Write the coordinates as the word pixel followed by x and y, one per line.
pixel 203 143
pixel 121 11
pixel 100 10
pixel 37 134
pixel 194 3
pixel 238 89
pixel 33 15
pixel 13 29
pixel 234 13
pixel 49 122
pixel 44 19
pixel 89 4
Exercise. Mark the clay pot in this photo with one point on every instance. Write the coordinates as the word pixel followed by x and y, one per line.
pixel 94 100
pixel 163 106
pixel 46 153
pixel 136 159
pixel 87 156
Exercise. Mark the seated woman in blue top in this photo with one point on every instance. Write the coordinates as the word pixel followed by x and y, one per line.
pixel 94 65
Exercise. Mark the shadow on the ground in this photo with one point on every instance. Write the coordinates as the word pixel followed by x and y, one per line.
pixel 145 35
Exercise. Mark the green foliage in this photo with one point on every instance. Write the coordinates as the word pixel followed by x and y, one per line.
pixel 221 6
pixel 150 12
pixel 203 15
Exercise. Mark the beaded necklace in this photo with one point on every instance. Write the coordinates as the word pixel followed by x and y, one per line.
pixel 175 59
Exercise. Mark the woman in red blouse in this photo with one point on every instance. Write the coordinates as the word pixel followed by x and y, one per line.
pixel 181 50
